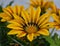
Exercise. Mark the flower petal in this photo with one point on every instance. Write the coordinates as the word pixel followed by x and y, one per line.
pixel 7 12
pixel 45 21
pixel 14 26
pixel 43 32
pixel 47 25
pixel 57 27
pixel 22 34
pixel 21 21
pixel 56 18
pixel 5 16
pixel 13 32
pixel 53 24
pixel 25 15
pixel 43 17
pixel 15 23
pixel 38 11
pixel 30 36
pixel 32 13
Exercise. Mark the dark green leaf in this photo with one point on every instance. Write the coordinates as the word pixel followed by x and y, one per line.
pixel 1 9
pixel 10 3
pixel 51 41
pixel 56 39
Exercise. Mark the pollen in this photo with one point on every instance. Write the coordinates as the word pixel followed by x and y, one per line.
pixel 31 29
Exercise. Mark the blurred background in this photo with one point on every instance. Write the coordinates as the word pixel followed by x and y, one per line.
pixel 25 4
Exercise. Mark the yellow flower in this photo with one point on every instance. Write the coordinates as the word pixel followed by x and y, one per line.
pixel 8 12
pixel 42 3
pixel 53 7
pixel 56 22
pixel 30 24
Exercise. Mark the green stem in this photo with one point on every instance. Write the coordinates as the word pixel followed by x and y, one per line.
pixel 52 32
pixel 19 42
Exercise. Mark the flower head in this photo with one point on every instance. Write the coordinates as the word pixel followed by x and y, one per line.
pixel 30 24
pixel 42 3
pixel 56 22
pixel 45 5
pixel 8 12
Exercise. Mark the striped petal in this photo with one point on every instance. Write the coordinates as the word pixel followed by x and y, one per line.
pixel 43 32
pixel 38 11
pixel 45 21
pixel 18 18
pixel 14 26
pixel 13 32
pixel 7 12
pixel 56 18
pixel 43 17
pixel 25 16
pixel 32 14
pixel 5 16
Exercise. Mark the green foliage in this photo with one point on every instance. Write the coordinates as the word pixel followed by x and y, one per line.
pixel 1 9
pixel 56 39
pixel 10 3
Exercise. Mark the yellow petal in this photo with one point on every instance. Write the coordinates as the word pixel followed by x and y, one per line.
pixel 22 34
pixel 56 18
pixel 43 32
pixel 53 24
pixel 45 21
pixel 53 7
pixel 25 13
pixel 36 34
pixel 46 25
pixel 38 2
pixel 18 18
pixel 14 26
pixel 43 17
pixel 3 20
pixel 30 37
pixel 57 27
pixel 33 2
pixel 32 14
pixel 37 15
pixel 13 32
pixel 9 9
pixel 19 10
pixel 24 17
pixel 14 9
pixel 4 16
pixel 15 23
pixel 7 12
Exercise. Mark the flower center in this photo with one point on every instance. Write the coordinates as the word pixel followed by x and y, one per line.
pixel 31 29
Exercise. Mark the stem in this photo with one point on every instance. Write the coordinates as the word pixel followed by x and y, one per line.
pixel 52 32
pixel 19 42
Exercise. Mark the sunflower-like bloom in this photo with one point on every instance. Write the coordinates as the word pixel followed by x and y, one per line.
pixel 56 22
pixel 41 3
pixel 30 24
pixel 8 12
pixel 53 7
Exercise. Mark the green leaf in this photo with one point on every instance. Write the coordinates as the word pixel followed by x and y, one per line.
pixel 1 9
pixel 18 41
pixel 10 3
pixel 3 36
pixel 50 40
pixel 56 39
